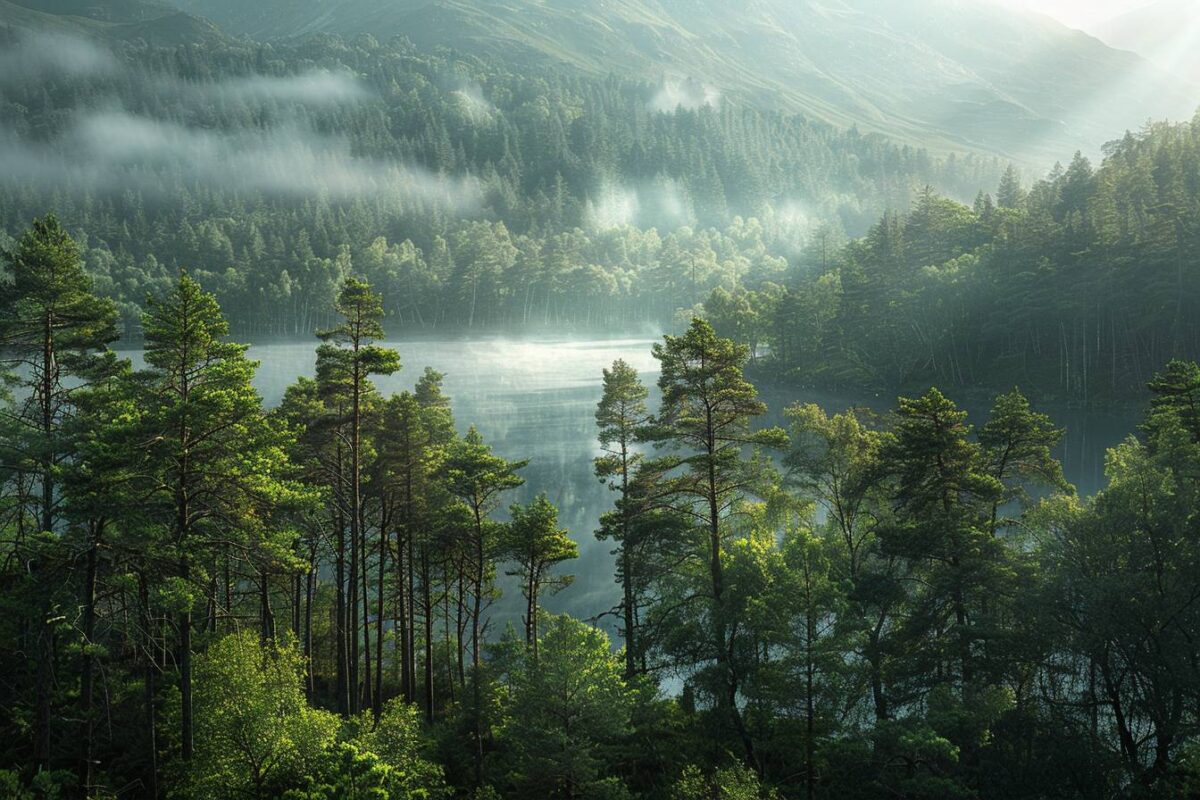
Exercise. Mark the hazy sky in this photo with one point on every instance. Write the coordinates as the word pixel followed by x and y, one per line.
pixel 1082 13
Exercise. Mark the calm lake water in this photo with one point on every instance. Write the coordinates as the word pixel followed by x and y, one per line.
pixel 535 399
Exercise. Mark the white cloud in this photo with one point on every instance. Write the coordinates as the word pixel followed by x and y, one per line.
pixel 612 207
pixel 315 88
pixel 689 95
pixel 37 55
pixel 474 105
pixel 281 153
pixel 114 150
pixel 659 203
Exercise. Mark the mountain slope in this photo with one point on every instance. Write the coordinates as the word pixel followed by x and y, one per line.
pixel 149 20
pixel 943 73
pixel 1166 32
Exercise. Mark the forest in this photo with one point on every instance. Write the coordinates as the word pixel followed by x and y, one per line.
pixel 470 191
pixel 206 598
pixel 1079 287
pixel 475 196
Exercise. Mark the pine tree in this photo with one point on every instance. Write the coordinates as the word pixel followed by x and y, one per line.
pixel 476 477
pixel 536 545
pixel 346 360
pixel 1010 194
pixel 1017 447
pixel 55 333
pixel 621 416
pixel 207 453
pixel 705 418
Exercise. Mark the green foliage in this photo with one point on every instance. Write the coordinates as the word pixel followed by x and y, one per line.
pixel 1077 288
pixel 567 708
pixel 538 158
pixel 733 783
pixel 397 741
pixel 912 607
pixel 346 773
pixel 255 732
pixel 44 786
pixel 1017 445
pixel 535 543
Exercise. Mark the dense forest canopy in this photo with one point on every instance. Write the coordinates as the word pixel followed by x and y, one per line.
pixel 1081 286
pixel 208 599
pixel 275 170
pixel 206 596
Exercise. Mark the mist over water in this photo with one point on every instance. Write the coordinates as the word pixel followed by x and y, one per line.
pixel 534 398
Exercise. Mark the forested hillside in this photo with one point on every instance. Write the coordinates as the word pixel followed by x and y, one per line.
pixel 947 74
pixel 204 599
pixel 469 192
pixel 1080 287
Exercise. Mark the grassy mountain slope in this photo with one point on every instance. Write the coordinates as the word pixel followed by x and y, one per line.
pixel 943 73
pixel 152 21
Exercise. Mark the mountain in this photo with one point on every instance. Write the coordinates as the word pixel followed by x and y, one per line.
pixel 947 74
pixel 149 20
pixel 1166 32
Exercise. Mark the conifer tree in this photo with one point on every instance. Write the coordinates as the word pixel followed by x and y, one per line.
pixel 54 332
pixel 207 449
pixel 621 416
pixel 346 360
pixel 705 421
pixel 536 545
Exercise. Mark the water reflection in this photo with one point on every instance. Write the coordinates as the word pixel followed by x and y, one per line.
pixel 535 399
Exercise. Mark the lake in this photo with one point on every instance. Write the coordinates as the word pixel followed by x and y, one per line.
pixel 535 398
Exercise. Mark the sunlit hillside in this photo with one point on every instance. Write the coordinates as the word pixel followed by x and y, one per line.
pixel 944 73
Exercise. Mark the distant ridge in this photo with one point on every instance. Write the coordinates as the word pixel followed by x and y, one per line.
pixel 947 74
pixel 1166 32
pixel 149 20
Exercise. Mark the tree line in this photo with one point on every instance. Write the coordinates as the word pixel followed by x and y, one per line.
pixel 1080 287
pixel 205 598
pixel 558 161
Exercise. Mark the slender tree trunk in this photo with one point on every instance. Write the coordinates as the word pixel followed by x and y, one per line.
pixel 309 590
pixel 410 634
pixel 477 592
pixel 427 609
pixel 185 670
pixel 225 568
pixel 150 675
pixel 810 777
pixel 86 677
pixel 461 627
pixel 365 700
pixel 402 615
pixel 720 630
pixel 341 614
pixel 44 635
pixel 446 620
pixel 627 567
pixel 265 610
pixel 357 555
pixel 377 701
pixel 297 604
pixel 476 645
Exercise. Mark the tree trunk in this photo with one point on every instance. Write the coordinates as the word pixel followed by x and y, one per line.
pixel 377 700
pixel 185 671
pixel 427 609
pixel 86 676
